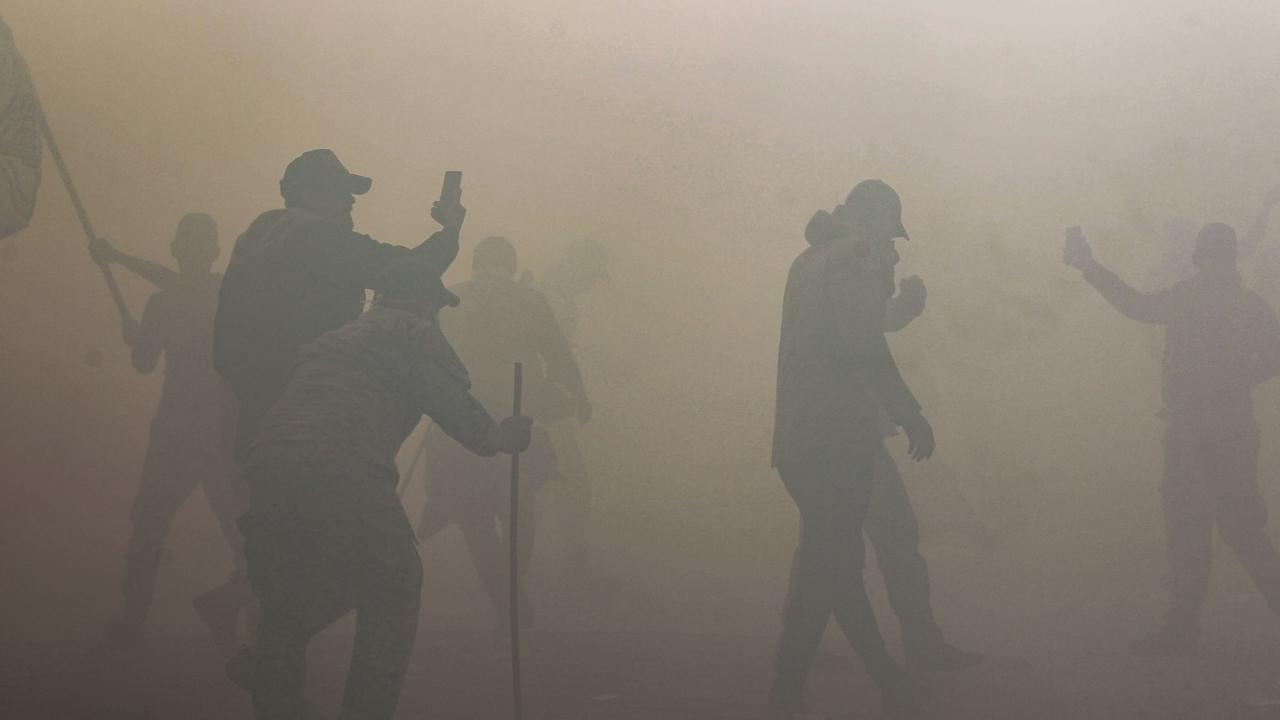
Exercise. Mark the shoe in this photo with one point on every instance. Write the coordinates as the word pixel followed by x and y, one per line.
pixel 903 698
pixel 941 657
pixel 1167 642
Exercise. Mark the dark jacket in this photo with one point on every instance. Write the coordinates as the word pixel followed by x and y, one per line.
pixel 835 370
pixel 1221 339
pixel 294 275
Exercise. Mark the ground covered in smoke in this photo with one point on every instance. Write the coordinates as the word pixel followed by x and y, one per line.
pixel 694 139
pixel 632 675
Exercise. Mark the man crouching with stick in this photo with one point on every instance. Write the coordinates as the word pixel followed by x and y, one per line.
pixel 325 532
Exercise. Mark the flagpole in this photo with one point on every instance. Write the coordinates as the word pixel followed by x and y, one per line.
pixel 513 542
pixel 81 213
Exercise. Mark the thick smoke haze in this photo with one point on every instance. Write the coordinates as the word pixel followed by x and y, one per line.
pixel 694 139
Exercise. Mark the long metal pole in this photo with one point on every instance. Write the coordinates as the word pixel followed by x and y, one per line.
pixel 513 544
pixel 81 213
pixel 110 279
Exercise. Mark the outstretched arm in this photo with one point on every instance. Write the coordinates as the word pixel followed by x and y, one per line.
pixel 1153 308
pixel 105 253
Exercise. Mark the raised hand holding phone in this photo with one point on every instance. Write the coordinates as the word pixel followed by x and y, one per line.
pixel 1076 252
pixel 448 210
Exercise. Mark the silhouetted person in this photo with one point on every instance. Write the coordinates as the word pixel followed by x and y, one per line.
pixel 500 322
pixel 325 533
pixel 835 373
pixel 1220 341
pixel 894 532
pixel 583 267
pixel 191 434
pixel 1176 238
pixel 300 271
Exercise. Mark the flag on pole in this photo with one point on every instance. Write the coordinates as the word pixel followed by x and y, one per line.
pixel 20 138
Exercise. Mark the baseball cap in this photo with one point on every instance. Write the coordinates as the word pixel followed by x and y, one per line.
pixel 875 197
pixel 322 167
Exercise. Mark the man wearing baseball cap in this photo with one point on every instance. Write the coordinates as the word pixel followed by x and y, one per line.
pixel 835 375
pixel 891 523
pixel 300 271
pixel 325 533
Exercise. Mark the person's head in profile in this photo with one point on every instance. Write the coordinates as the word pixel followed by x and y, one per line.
pixel 317 181
pixel 195 244
pixel 494 256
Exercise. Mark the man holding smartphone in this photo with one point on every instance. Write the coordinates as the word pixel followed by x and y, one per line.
pixel 300 271
pixel 1221 339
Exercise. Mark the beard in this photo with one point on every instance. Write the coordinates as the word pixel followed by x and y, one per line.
pixel 342 219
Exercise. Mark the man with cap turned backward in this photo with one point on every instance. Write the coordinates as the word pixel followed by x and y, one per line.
pixel 835 373
pixel 300 271
pixel 1221 340
pixel 325 533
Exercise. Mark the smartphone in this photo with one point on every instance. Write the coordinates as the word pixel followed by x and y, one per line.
pixel 451 191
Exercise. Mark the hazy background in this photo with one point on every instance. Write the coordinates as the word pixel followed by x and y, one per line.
pixel 694 139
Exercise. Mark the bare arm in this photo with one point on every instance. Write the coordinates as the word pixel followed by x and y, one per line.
pixel 144 340
pixel 1154 308
pixel 154 273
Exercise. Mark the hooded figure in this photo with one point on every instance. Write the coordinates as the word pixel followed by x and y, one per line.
pixel 835 375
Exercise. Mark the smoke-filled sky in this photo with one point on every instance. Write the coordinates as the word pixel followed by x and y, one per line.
pixel 694 139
